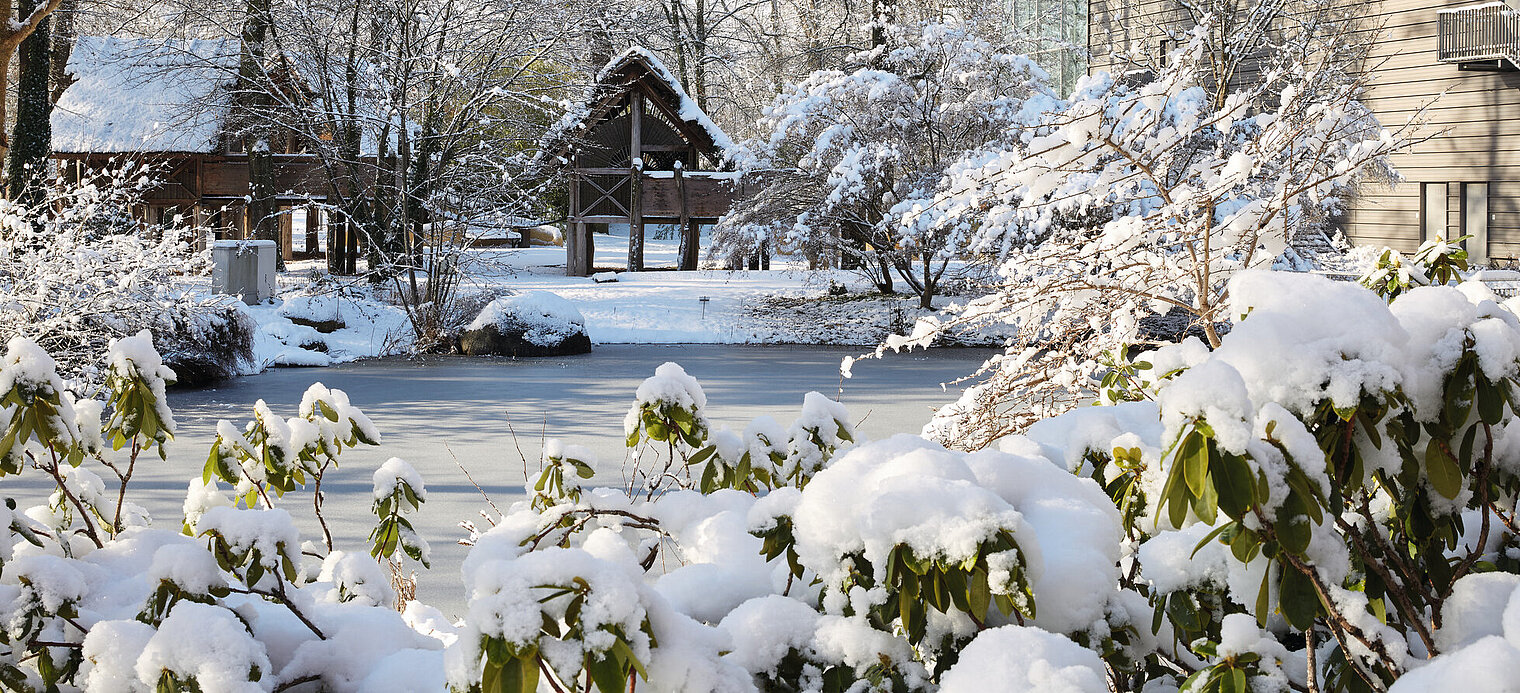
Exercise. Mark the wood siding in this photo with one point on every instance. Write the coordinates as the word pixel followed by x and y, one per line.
pixel 1474 125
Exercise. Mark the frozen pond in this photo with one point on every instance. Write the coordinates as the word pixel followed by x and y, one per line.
pixel 436 410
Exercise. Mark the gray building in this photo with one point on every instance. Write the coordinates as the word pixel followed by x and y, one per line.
pixel 1465 180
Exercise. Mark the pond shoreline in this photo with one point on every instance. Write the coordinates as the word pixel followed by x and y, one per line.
pixel 447 414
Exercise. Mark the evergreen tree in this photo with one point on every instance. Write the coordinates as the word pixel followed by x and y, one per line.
pixel 31 141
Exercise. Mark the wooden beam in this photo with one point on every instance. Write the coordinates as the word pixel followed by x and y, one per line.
pixel 635 173
pixel 577 228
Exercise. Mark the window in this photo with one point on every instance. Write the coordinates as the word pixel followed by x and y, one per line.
pixel 1433 211
pixel 1167 46
pixel 1475 222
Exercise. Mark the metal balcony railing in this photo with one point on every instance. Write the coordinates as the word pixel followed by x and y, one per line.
pixel 1480 34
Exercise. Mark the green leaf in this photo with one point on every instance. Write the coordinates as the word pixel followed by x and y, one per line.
pixel 620 646
pixel 1490 402
pixel 1179 607
pixel 1199 681
pixel 1193 455
pixel 1445 475
pixel 1233 681
pixel 1296 598
pixel 493 678
pixel 606 674
pixel 1234 483
pixel 1293 528
pixel 1263 598
pixel 1208 538
pixel 1206 505
pixel 1244 545
pixel 979 593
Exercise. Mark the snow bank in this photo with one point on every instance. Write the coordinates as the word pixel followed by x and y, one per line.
pixel 1025 660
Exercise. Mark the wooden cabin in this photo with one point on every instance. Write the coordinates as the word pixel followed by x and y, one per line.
pixel 640 152
pixel 1465 180
pixel 161 103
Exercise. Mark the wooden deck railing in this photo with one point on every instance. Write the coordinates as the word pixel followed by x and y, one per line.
pixel 1480 33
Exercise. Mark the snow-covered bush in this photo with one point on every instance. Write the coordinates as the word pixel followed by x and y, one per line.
pixel 838 149
pixel 75 273
pixel 1131 200
pixel 93 597
pixel 1318 498
pixel 1326 502
pixel 785 558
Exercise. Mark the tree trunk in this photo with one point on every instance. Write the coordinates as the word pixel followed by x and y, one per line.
pixel 255 104
pixel 699 56
pixel 27 160
pixel 14 30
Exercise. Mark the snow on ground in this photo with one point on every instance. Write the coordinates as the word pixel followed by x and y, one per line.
pixel 785 305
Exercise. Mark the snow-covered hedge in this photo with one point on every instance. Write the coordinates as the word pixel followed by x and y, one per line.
pixel 1325 502
pixel 75 273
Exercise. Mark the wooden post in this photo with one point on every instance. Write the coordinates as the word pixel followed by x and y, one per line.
pixel 350 247
pixel 336 244
pixel 312 241
pixel 588 247
pixel 635 184
pixel 688 230
pixel 574 258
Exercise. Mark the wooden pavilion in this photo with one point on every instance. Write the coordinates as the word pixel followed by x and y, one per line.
pixel 639 151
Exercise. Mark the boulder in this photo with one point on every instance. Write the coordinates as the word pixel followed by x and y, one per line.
pixel 535 323
pixel 320 312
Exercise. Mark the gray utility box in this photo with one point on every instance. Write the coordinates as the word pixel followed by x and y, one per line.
pixel 244 269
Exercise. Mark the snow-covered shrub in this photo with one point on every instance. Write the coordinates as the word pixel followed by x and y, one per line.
pixel 398 491
pixel 1177 187
pixel 75 274
pixel 819 563
pixel 840 148
pixel 1436 262
pixel 92 597
pixel 1338 472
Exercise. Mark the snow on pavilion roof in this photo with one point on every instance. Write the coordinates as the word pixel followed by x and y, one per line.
pixel 610 82
pixel 144 95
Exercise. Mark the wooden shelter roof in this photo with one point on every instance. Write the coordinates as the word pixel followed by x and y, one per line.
pixel 636 69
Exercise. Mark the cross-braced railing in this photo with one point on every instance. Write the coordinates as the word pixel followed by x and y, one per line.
pixel 1480 33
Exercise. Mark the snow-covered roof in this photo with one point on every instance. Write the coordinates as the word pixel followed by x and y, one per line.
pixel 610 80
pixel 686 107
pixel 143 95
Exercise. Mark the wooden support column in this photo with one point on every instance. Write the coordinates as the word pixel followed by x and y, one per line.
pixel 287 233
pixel 351 256
pixel 313 217
pixel 635 183
pixel 688 230
pixel 588 246
pixel 576 232
pixel 335 247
